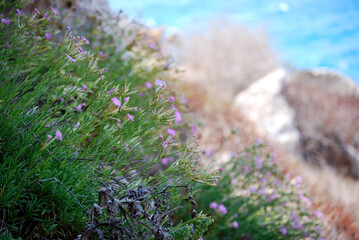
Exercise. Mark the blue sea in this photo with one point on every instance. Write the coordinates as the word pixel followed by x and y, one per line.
pixel 305 33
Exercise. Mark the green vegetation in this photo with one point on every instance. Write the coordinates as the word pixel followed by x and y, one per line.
pixel 93 146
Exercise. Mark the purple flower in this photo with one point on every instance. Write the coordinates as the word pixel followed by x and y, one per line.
pixel 54 10
pixel 58 135
pixel 193 129
pixel 298 180
pixel 318 214
pixel 178 117
pixel 164 144
pixel 100 53
pixel 48 36
pixel 5 21
pixel 213 205
pixel 34 36
pixel 222 209
pixel 246 170
pixel 36 11
pixel 148 85
pixel 77 124
pixel 259 163
pixel 126 99
pixel 106 69
pixel 271 197
pixel 151 45
pixel 141 94
pixel 26 32
pixel 216 181
pixel 70 58
pixel 83 38
pixel 116 101
pixel 18 12
pixel 171 132
pixel 79 107
pixel 84 87
pixel 166 160
pixel 80 49
pixel 263 191
pixel 47 17
pixel 111 91
pixel 130 117
pixel 283 231
pixel 172 99
pixel 9 45
pixel 68 28
pixel 253 189
pixel 208 152
pixel 235 224
pixel 160 83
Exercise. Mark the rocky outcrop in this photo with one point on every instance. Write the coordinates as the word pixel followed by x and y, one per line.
pixel 327 112
pixel 263 104
pixel 311 113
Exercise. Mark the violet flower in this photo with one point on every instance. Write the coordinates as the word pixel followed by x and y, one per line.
pixel 47 17
pixel 48 36
pixel 235 224
pixel 164 144
pixel 84 87
pixel 130 117
pixel 178 117
pixel 18 12
pixel 70 58
pixel 148 85
pixel 111 91
pixel 171 132
pixel 5 21
pixel 222 209
pixel 58 135
pixel 54 10
pixel 160 83
pixel 283 230
pixel 213 205
pixel 116 101
pixel 83 38
pixel 126 99
pixel 79 107
pixel 172 99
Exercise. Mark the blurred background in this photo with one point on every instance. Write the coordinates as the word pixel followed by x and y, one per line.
pixel 305 34
pixel 287 71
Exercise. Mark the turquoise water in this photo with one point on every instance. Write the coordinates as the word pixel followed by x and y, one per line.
pixel 305 33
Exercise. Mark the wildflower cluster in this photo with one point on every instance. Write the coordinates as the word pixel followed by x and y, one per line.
pixel 77 118
pixel 259 202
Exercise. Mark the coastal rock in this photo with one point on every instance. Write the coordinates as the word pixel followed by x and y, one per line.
pixel 263 104
pixel 326 109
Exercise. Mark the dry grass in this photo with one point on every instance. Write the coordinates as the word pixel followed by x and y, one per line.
pixel 227 58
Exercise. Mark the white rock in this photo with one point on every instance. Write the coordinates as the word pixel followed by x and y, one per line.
pixel 263 104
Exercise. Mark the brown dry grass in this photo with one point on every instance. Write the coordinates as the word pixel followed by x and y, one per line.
pixel 227 58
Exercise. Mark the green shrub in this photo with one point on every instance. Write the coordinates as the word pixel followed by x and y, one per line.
pixel 257 202
pixel 73 123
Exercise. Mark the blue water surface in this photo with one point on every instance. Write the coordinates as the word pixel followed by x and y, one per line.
pixel 306 33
